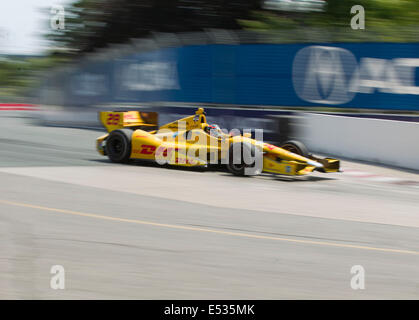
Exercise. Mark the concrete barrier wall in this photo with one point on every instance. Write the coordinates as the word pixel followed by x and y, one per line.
pixel 387 142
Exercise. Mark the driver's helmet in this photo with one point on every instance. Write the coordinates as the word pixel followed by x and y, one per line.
pixel 213 130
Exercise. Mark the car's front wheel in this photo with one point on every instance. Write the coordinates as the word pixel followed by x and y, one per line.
pixel 296 147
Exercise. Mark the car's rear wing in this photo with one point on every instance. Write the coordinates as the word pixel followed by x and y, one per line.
pixel 113 120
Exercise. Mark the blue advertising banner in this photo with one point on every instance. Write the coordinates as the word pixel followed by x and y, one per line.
pixel 350 75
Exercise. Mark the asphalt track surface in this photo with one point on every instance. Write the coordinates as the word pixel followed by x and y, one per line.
pixel 139 231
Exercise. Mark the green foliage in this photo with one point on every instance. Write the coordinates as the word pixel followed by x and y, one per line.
pixel 385 20
pixel 93 24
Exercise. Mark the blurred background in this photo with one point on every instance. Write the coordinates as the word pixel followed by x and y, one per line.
pixel 39 35
pixel 253 61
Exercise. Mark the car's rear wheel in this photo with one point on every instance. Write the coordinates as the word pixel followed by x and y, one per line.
pixel 118 145
pixel 241 156
pixel 296 147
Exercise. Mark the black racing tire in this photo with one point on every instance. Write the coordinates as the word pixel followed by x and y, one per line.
pixel 118 145
pixel 296 147
pixel 242 151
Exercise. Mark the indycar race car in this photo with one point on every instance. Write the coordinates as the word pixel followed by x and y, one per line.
pixel 191 141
